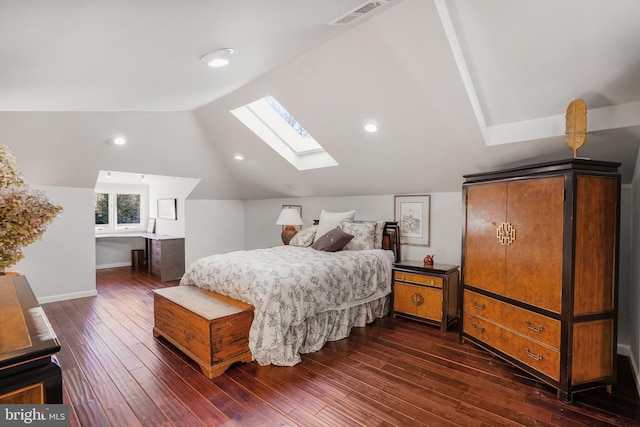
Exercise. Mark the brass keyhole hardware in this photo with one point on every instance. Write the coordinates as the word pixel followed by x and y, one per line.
pixel 533 327
pixel 506 234
pixel 537 357
pixel 417 299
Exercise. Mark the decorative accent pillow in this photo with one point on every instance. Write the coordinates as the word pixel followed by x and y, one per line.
pixel 377 243
pixel 331 220
pixel 304 237
pixel 332 241
pixel 364 234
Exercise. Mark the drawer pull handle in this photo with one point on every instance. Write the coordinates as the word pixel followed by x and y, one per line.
pixel 533 327
pixel 478 306
pixel 477 328
pixel 537 357
pixel 417 299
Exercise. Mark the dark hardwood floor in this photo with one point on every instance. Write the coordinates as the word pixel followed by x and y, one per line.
pixel 392 373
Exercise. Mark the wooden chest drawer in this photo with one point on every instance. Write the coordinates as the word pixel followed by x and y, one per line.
pixel 420 279
pixel 538 356
pixel 533 325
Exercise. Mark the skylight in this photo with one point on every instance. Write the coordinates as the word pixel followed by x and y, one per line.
pixel 271 121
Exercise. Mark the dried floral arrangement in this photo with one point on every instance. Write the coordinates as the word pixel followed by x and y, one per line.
pixel 25 213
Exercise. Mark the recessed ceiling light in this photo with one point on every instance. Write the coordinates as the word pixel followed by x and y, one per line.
pixel 119 140
pixel 370 125
pixel 238 156
pixel 217 58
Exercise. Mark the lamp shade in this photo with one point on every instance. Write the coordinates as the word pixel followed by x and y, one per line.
pixel 289 216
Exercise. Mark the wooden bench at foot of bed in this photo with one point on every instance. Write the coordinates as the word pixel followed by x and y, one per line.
pixel 210 328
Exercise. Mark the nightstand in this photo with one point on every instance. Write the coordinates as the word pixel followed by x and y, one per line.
pixel 426 294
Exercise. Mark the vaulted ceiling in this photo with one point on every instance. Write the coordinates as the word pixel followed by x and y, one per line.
pixel 459 86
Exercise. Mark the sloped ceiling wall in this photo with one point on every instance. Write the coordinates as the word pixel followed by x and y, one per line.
pixel 69 149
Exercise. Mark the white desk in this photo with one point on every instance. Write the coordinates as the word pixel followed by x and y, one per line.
pixel 164 253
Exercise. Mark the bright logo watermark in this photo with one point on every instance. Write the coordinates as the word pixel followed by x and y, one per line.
pixel 34 415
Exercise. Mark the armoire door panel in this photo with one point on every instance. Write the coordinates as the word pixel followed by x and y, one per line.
pixel 534 259
pixel 484 256
pixel 595 229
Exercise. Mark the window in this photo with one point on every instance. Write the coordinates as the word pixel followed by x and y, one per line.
pixel 271 121
pixel 121 208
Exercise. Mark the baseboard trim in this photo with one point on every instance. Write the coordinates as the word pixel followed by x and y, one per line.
pixel 625 350
pixel 114 265
pixel 64 297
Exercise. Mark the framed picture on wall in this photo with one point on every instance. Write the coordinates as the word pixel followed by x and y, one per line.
pixel 151 225
pixel 167 208
pixel 412 215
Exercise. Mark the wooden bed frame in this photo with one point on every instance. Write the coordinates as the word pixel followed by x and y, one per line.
pixel 212 329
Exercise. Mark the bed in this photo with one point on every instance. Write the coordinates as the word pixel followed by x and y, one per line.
pixel 303 297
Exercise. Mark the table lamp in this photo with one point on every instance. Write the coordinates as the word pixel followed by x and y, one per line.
pixel 289 217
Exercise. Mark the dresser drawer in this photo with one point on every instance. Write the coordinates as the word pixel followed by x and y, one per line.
pixel 156 270
pixel 156 251
pixel 418 301
pixel 539 357
pixel 419 279
pixel 535 326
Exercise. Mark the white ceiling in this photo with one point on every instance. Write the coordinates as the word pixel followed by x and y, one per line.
pixel 460 86
pixel 143 55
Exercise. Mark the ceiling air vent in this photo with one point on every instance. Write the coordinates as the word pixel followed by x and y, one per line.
pixel 358 12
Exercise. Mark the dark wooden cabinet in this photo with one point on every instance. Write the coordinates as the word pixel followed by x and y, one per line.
pixel 539 270
pixel 29 373
pixel 426 294
pixel 166 258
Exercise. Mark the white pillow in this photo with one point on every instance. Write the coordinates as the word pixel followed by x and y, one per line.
pixel 330 220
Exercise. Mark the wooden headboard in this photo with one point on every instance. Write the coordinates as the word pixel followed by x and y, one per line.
pixel 391 239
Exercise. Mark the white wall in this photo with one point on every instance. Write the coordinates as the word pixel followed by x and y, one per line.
pixel 176 188
pixel 633 294
pixel 115 251
pixel 446 221
pixel 624 283
pixel 213 227
pixel 61 265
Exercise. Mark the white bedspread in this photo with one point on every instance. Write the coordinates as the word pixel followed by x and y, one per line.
pixel 290 285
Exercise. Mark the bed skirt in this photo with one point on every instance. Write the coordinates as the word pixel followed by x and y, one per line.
pixel 324 327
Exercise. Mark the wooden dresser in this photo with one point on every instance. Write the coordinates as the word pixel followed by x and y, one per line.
pixel 29 373
pixel 166 257
pixel 540 270
pixel 426 294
